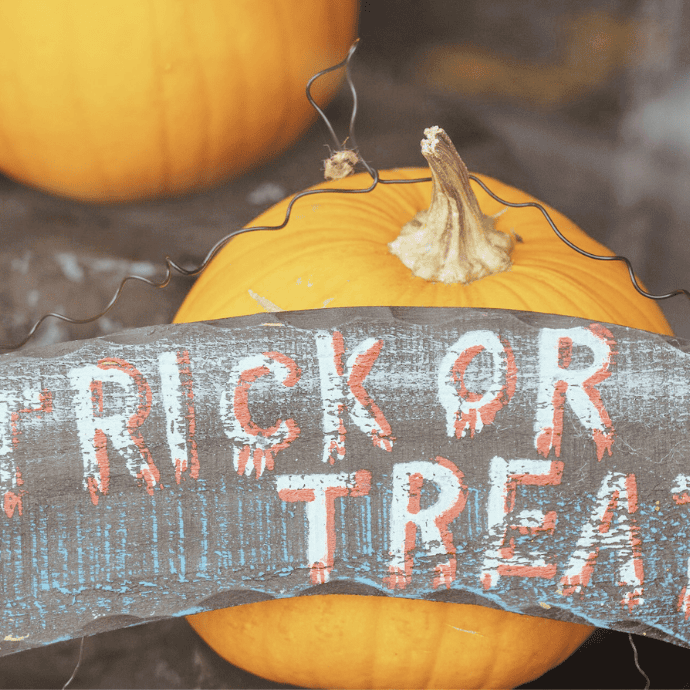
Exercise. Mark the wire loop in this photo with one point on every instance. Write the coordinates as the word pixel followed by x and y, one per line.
pixel 171 265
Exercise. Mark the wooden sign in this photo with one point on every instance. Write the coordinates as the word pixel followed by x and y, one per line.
pixel 530 462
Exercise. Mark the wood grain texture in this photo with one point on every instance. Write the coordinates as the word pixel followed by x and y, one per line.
pixel 531 462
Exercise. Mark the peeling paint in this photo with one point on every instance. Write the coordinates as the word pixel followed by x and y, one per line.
pixel 471 632
pixel 264 302
pixel 15 638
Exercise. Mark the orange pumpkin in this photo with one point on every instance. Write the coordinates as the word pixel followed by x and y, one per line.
pixel 334 252
pixel 130 99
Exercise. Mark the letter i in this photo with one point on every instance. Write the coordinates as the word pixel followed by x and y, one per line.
pixel 178 400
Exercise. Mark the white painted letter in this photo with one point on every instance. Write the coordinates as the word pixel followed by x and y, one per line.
pixel 343 387
pixel 319 492
pixel 95 428
pixel 178 401
pixel 408 519
pixel 558 382
pixel 616 501
pixel 13 405
pixel 475 410
pixel 249 439
pixel 500 558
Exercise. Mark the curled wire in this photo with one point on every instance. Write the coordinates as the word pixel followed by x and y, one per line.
pixel 598 257
pixel 636 659
pixel 171 265
pixel 76 668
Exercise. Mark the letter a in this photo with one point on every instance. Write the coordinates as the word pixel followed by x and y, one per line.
pixel 611 526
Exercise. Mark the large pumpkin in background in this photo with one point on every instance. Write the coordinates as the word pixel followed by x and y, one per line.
pixel 334 252
pixel 113 100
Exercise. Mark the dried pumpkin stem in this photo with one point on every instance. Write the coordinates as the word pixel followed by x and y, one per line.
pixel 452 241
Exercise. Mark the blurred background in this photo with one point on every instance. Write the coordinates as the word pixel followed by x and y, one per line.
pixel 583 104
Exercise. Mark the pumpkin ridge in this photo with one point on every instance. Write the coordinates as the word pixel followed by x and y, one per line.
pixel 562 293
pixel 158 105
pixel 93 83
pixel 203 160
pixel 616 294
pixel 434 660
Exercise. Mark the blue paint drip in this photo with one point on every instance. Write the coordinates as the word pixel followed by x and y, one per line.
pixel 80 552
pixel 94 553
pixel 154 536
pixel 172 566
pixel 183 562
pixel 240 522
pixel 36 572
pixel 269 524
pixel 15 548
pixel 61 551
pixel 254 529
pixel 383 521
pixel 475 518
pixel 283 524
pixel 43 530
pixel 203 516
pixel 369 549
pixel 225 537
pixel 122 550
pixel 106 545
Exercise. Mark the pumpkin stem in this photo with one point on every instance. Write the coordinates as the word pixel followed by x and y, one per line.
pixel 452 241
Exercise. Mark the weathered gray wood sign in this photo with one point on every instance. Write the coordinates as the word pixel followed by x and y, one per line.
pixel 532 462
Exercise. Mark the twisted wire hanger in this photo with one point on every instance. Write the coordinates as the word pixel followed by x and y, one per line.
pixel 172 266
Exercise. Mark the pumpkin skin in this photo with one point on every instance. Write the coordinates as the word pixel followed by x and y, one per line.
pixel 334 253
pixel 349 641
pixel 132 99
